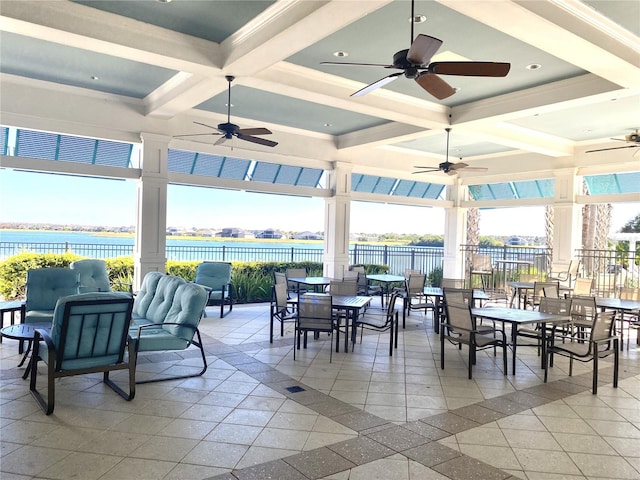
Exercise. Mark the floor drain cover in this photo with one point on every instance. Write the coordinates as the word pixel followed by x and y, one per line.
pixel 295 389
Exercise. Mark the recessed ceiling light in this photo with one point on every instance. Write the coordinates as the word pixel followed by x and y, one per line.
pixel 94 77
pixel 457 89
pixel 340 54
pixel 328 124
pixel 533 66
pixel 418 18
pixel 227 105
pixel 163 1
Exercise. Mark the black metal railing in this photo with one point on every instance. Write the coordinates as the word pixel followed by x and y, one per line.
pixel 609 269
pixel 397 258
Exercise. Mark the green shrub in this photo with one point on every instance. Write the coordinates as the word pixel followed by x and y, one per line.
pixel 252 280
pixel 435 277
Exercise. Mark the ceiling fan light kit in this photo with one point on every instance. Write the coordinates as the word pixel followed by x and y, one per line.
pixel 415 64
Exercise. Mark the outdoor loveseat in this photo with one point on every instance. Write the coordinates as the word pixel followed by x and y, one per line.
pixel 166 314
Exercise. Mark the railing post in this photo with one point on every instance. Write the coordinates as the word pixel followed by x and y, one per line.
pixel 385 255
pixel 224 252
pixel 413 259
pixel 292 255
pixel 66 247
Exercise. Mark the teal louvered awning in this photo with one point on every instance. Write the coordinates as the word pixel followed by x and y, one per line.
pixel 395 187
pixel 544 188
pixel 613 183
pixel 219 166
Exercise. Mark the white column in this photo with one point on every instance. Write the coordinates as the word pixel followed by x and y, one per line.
pixel 455 232
pixel 567 216
pixel 150 247
pixel 337 218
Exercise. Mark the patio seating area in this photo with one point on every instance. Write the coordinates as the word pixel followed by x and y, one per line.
pixel 256 413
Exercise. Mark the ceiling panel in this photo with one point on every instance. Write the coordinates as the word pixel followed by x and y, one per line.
pixel 460 145
pixel 273 108
pixel 585 122
pixel 378 36
pixel 34 58
pixel 213 21
pixel 624 13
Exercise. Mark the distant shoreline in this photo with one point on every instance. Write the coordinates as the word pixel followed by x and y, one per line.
pixel 194 237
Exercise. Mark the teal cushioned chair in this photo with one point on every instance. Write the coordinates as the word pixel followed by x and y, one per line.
pixel 166 314
pixel 216 278
pixel 43 289
pixel 92 275
pixel 89 334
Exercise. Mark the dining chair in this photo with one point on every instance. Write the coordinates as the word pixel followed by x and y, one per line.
pixel 481 266
pixel 344 287
pixel 565 274
pixel 582 286
pixel 601 343
pixel 632 317
pixel 583 311
pixel 414 297
pixel 553 306
pixel 294 287
pixel 315 314
pixel 280 309
pixel 540 290
pixel 363 283
pixel 382 323
pixel 89 334
pixel 459 328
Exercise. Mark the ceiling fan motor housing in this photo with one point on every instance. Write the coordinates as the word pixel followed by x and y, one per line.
pixel 633 137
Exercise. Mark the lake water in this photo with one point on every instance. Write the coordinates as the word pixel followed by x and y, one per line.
pixel 37 236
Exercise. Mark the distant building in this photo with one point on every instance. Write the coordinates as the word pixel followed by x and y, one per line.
pixel 307 236
pixel 515 241
pixel 232 233
pixel 270 233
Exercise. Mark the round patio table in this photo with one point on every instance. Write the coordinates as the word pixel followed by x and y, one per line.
pixel 24 332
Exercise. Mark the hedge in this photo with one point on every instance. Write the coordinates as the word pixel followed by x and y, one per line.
pixel 252 280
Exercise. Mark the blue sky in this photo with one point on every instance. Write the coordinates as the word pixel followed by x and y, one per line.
pixel 33 198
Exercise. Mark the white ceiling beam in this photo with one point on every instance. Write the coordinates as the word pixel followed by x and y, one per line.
pixel 286 28
pixel 553 29
pixel 333 91
pixel 79 26
pixel 180 93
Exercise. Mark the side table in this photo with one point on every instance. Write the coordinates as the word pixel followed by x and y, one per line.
pixel 24 332
pixel 10 307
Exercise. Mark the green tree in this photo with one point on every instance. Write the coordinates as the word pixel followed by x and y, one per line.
pixel 632 226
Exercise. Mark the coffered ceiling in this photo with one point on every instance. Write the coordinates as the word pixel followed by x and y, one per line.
pixel 169 61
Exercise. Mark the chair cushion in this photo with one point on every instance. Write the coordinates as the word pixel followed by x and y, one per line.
pixel 157 339
pixel 187 307
pixel 213 275
pixel 92 275
pixel 46 285
pixel 38 316
pixel 146 293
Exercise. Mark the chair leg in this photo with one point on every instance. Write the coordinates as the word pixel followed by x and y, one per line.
pixel 616 358
pixel 471 358
pixel 594 386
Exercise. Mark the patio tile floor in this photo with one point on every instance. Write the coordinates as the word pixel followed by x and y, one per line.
pixel 364 416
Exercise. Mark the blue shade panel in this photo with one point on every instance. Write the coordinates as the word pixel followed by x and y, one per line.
pixel 394 186
pixel 67 148
pixel 4 135
pixel 180 161
pixel 535 188
pixel 544 188
pixel 613 183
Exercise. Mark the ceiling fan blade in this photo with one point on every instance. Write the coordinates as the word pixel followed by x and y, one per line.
pixel 260 141
pixel 475 169
pixel 195 135
pixel 221 140
pixel 254 131
pixel 612 148
pixel 471 69
pixel 205 125
pixel 428 170
pixel 458 166
pixel 358 64
pixel 422 49
pixel 375 85
pixel 451 172
pixel 435 85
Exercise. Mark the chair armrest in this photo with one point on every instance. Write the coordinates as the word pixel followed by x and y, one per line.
pixel 38 335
